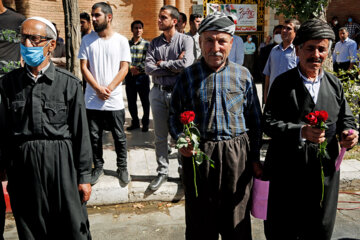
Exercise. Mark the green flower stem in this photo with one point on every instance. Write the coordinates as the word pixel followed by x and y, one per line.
pixel 193 160
pixel 194 167
pixel 188 130
pixel 322 181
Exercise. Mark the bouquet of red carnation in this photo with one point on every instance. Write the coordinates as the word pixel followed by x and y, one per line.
pixel 190 131
pixel 317 119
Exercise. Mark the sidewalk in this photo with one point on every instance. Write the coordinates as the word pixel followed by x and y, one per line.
pixel 142 168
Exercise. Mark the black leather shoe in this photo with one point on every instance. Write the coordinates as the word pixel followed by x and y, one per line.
pixel 169 149
pixel 123 175
pixel 156 183
pixel 133 127
pixel 145 129
pixel 95 175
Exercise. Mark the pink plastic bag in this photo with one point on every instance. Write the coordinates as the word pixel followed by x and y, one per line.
pixel 260 193
pixel 341 155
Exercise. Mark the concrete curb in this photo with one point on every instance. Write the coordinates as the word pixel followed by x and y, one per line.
pixel 142 168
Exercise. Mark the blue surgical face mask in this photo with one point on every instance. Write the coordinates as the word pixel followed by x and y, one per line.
pixel 250 39
pixel 349 19
pixel 33 56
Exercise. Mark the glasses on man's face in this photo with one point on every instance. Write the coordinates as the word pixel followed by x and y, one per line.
pixel 34 39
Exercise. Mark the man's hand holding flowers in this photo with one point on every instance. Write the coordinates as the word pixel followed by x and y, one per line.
pixel 315 135
pixel 187 151
pixel 188 143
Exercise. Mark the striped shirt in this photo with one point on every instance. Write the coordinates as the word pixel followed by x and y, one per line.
pixel 138 53
pixel 225 103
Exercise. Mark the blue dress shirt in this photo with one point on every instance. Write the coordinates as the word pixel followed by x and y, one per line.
pixel 237 51
pixel 280 60
pixel 345 51
pixel 250 48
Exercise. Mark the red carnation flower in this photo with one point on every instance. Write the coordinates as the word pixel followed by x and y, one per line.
pixel 323 116
pixel 187 117
pixel 311 119
pixel 317 114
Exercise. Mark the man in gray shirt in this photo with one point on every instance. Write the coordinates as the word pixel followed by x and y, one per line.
pixel 167 56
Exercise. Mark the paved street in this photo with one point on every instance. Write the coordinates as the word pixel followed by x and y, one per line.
pixel 166 221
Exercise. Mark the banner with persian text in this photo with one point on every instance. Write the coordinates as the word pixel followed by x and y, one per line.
pixel 246 14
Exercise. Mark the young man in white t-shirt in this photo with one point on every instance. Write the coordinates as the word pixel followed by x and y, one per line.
pixel 104 57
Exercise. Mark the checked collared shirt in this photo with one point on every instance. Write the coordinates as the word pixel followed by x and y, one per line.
pixel 225 103
pixel 138 53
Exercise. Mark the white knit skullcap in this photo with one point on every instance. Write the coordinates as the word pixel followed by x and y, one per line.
pixel 47 22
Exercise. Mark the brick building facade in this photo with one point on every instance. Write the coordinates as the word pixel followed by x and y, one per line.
pixel 125 11
pixel 342 9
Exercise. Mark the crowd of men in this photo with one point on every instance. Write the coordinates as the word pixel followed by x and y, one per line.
pixel 51 133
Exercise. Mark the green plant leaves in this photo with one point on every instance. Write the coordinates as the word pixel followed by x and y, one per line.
pixel 304 10
pixel 181 142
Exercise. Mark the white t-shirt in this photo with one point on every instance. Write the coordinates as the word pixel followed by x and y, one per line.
pixel 104 56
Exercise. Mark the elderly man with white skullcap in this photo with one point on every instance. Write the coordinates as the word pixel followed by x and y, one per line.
pixel 45 142
pixel 227 113
pixel 304 188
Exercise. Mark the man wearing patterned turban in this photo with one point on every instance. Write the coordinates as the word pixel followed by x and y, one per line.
pixel 296 207
pixel 227 113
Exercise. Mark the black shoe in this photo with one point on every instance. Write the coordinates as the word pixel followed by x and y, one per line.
pixel 123 175
pixel 145 128
pixel 133 127
pixel 95 175
pixel 156 183
pixel 169 149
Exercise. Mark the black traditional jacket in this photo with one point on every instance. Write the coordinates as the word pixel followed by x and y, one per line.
pixel 288 103
pixel 52 108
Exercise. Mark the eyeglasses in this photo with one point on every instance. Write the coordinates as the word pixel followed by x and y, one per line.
pixel 34 39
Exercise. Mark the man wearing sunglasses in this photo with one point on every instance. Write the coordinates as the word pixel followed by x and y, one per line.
pixel 46 144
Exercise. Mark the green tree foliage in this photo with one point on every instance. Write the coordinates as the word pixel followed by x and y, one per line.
pixel 302 9
pixel 351 84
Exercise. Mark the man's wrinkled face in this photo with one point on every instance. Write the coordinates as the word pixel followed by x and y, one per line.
pixel 137 30
pixel 288 32
pixel 312 54
pixel 84 25
pixel 165 21
pixel 215 48
pixel 33 34
pixel 343 34
pixel 100 20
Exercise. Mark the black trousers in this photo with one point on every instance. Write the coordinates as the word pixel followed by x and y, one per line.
pixel 222 206
pixel 114 121
pixel 44 195
pixel 139 84
pixel 294 210
pixel 343 65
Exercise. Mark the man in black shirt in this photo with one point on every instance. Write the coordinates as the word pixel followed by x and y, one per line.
pixel 46 143
pixel 10 22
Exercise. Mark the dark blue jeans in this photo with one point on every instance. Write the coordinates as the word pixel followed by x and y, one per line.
pixel 139 84
pixel 114 121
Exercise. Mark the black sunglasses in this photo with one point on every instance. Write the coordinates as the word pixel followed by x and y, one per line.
pixel 34 39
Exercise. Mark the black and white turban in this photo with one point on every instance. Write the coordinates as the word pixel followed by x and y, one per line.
pixel 313 29
pixel 217 21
